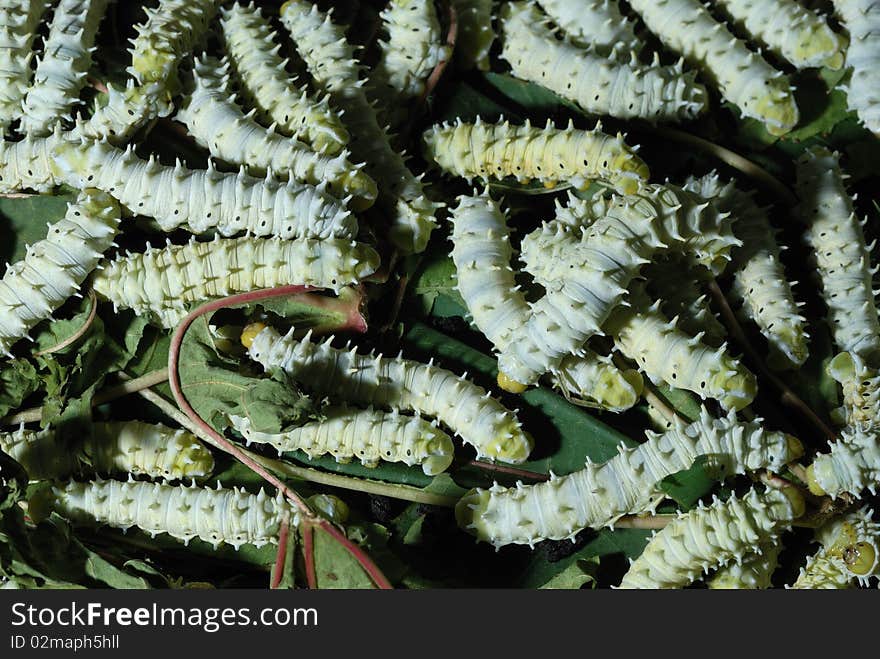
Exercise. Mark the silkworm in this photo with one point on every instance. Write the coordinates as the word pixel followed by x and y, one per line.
pixel 862 19
pixel 54 268
pixel 598 84
pixel 113 447
pixel 475 36
pixel 126 110
pixel 253 51
pixel 596 24
pixel 221 516
pixel 163 282
pixel 753 572
pixel 851 466
pixel 744 78
pixel 860 385
pixel 597 495
pixel 849 552
pixel 712 536
pixel 217 123
pixel 19 20
pixel 61 72
pixel 368 435
pixel 330 59
pixel 485 150
pixel 842 257
pixel 460 405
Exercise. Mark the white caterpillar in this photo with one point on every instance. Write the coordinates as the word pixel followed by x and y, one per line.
pixel 220 516
pixel 712 536
pixel 481 252
pixel 862 19
pixel 744 78
pixel 849 552
pixel 843 259
pixel 330 59
pixel 28 165
pixel 595 265
pixel 19 20
pixel 852 465
pixel 217 123
pixel 759 279
pixel 200 200
pixel 599 85
pixel 62 70
pixel 368 435
pixel 54 268
pixel 790 30
pixel 485 150
pixel 253 50
pixel 598 495
pixel 462 406
pixel 126 110
pixel 596 24
pixel 753 572
pixel 113 447
pixel 861 390
pixel 163 282
pixel 475 33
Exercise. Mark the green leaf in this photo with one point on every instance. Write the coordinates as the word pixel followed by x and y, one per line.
pixel 534 98
pixel 687 487
pixel 435 277
pixel 24 220
pixel 18 380
pixel 335 567
pixel 573 577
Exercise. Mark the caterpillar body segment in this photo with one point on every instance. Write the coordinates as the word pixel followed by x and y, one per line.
pixel 849 552
pixel 597 83
pixel 850 467
pixel 369 435
pixel 753 572
pixel 597 24
pixel 19 20
pixel 113 447
pixel 126 110
pixel 28 165
pixel 330 59
pixel 712 536
pixel 460 405
pixel 790 30
pixel 216 516
pixel 218 124
pixel 599 494
pixel 162 282
pixel 743 77
pixel 862 19
pixel 484 150
pixel 54 268
pixel 253 51
pixel 861 390
pixel 61 72
pixel 842 257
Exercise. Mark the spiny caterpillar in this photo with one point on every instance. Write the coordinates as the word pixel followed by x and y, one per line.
pixel 163 282
pixel 481 252
pixel 744 78
pixel 790 30
pixel 462 406
pixel 598 495
pixel 413 48
pixel 862 19
pixel 759 279
pixel 330 59
pixel 475 34
pixel 861 389
pixel 849 551
pixel 597 24
pixel 61 73
pixel 28 165
pixel 485 150
pixel 218 124
pixel 53 269
pixel 200 200
pixel 596 83
pixel 113 447
pixel 712 536
pixel 753 572
pixel 220 516
pixel 852 465
pixel 19 20
pixel 125 111
pixel 835 234
pixel 368 435
pixel 253 51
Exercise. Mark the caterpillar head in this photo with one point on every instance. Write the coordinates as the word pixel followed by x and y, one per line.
pixel 193 459
pixel 470 512
pixel 860 558
pixel 250 332
pixel 737 387
pixel 509 384
pixel 842 367
pixel 821 45
pixel 439 451
pixel 618 390
pixel 510 445
pixel 776 107
pixel 331 507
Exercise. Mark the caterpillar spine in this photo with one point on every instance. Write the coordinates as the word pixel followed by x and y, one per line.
pixel 862 19
pixel 127 109
pixel 597 24
pixel 849 551
pixel 861 389
pixel 753 572
pixel 19 20
pixel 851 466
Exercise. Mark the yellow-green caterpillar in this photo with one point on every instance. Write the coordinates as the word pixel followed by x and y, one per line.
pixel 598 495
pixel 367 435
pixel 598 84
pixel 862 19
pixel 460 405
pixel 851 466
pixel 860 385
pixel 220 516
pixel 753 572
pixel 850 552
pixel 218 124
pixel 253 51
pixel 162 282
pixel 743 77
pixel 54 268
pixel 112 447
pixel 712 536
